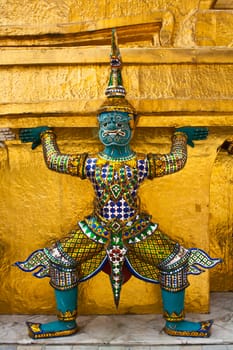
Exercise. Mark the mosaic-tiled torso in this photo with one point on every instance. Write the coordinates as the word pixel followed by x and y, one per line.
pixel 116 188
pixel 116 206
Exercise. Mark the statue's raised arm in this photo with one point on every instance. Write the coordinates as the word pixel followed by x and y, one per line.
pixel 193 133
pixel 72 164
pixel 165 164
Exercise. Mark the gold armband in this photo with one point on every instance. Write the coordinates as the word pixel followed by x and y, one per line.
pixel 76 165
pixel 156 165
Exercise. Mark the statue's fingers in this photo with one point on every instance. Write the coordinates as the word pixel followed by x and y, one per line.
pixel 24 140
pixel 200 138
pixel 27 131
pixel 22 132
pixel 25 135
pixel 201 134
pixel 201 129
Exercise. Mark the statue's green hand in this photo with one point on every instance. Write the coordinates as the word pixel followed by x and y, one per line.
pixel 194 133
pixel 32 135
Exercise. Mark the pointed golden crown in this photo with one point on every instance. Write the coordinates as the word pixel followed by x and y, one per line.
pixel 115 91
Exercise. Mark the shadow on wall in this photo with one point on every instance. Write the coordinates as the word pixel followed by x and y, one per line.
pixel 221 218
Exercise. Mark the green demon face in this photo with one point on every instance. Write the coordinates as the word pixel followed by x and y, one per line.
pixel 114 128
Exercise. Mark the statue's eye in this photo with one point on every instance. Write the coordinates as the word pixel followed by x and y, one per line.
pixel 105 125
pixel 119 125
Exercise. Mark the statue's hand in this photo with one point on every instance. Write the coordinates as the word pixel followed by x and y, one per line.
pixel 194 133
pixel 6 134
pixel 32 135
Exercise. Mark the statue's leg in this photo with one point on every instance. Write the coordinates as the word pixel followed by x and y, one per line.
pixel 176 325
pixel 67 262
pixel 159 259
pixel 173 282
pixel 66 303
pixel 63 278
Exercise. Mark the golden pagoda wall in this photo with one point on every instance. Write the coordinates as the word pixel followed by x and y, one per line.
pixel 221 221
pixel 54 70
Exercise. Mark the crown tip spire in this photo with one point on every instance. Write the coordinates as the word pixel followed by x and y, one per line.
pixel 115 87
pixel 114 45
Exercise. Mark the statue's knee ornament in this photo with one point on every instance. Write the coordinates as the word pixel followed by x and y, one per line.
pixel 62 269
pixel 173 271
pixel 63 278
